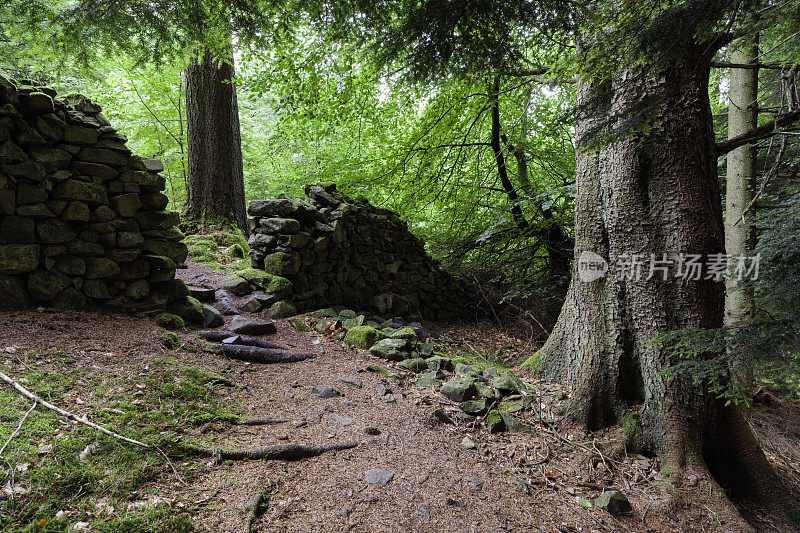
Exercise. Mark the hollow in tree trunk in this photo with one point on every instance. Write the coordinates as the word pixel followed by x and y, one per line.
pixel 651 191
pixel 215 194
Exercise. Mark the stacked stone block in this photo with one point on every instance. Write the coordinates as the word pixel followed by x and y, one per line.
pixel 340 251
pixel 82 219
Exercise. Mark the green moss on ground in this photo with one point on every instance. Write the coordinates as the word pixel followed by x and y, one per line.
pixel 59 483
pixel 222 249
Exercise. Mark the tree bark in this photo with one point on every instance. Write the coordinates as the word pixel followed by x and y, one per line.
pixel 650 191
pixel 740 189
pixel 215 194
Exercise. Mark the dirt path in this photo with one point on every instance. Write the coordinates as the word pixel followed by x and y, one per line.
pixel 438 485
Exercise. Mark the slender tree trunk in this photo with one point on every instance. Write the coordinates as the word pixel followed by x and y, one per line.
pixel 740 188
pixel 497 148
pixel 215 194
pixel 649 193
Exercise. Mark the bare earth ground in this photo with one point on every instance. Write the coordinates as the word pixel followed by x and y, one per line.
pixel 509 482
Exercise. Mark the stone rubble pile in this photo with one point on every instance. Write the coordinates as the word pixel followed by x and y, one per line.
pixel 82 219
pixel 339 251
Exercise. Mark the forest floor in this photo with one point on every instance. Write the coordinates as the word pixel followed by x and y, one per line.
pixel 56 476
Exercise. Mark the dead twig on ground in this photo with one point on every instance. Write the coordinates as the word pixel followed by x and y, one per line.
pixel 66 414
pixel 19 427
pixel 256 508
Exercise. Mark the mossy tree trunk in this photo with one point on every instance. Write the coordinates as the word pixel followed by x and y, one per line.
pixel 215 194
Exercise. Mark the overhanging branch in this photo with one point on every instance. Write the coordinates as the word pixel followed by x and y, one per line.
pixel 536 75
pixel 773 66
pixel 762 132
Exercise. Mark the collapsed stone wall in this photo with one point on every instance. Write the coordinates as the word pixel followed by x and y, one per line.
pixel 82 219
pixel 339 251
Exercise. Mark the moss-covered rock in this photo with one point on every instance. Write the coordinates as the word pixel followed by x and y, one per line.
pixel 236 284
pixel 282 264
pixel 494 422
pixel 391 349
pixel 459 389
pixel 13 293
pixel 505 384
pixel 170 321
pixel 483 390
pixel 282 309
pixel 474 407
pixel 299 324
pixel 169 340
pixel 362 337
pixel 189 309
pixel 428 380
pixel 350 323
pixel 328 312
pixel 279 286
pixel 413 365
pixel 405 333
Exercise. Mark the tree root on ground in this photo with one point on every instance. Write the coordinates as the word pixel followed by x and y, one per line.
pixel 260 421
pixel 254 354
pixel 278 452
pixel 219 336
pixel 256 508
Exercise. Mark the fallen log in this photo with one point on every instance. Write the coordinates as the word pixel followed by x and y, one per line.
pixel 278 452
pixel 255 354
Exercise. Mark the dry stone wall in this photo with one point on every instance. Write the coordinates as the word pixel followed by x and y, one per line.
pixel 339 251
pixel 82 219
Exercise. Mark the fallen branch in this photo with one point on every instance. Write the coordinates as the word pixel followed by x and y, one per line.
pixel 66 414
pixel 756 134
pixel 19 427
pixel 279 452
pixel 254 354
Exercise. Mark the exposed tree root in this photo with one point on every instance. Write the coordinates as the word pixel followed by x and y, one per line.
pixel 256 508
pixel 219 336
pixel 254 354
pixel 262 421
pixel 278 452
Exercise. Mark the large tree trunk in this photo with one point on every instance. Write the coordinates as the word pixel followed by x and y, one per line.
pixel 739 190
pixel 216 180
pixel 646 192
